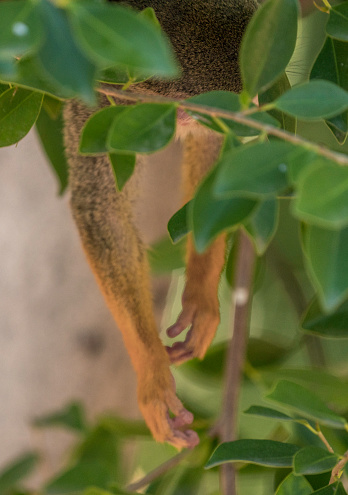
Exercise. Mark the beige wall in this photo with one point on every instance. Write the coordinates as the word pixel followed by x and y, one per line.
pixel 57 339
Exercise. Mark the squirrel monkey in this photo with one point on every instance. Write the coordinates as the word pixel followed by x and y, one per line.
pixel 206 36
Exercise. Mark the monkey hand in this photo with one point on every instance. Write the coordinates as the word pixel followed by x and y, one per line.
pixel 157 399
pixel 200 312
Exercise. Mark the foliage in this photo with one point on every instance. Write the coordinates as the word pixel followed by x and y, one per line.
pixel 286 186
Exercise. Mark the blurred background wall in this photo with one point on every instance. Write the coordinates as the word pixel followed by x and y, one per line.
pixel 58 341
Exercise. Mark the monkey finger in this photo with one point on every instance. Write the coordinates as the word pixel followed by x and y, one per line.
pixel 185 319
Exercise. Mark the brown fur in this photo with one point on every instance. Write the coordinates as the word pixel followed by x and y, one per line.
pixel 206 36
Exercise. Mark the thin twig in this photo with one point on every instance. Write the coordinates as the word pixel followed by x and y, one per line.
pixel 158 471
pixel 337 470
pixel 238 117
pixel 236 354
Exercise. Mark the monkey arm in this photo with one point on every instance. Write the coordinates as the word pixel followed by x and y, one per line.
pixel 117 257
pixel 200 305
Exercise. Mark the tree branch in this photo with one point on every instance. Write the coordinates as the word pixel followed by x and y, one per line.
pixel 239 117
pixel 227 424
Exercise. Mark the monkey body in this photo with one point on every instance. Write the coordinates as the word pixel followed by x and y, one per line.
pixel 206 35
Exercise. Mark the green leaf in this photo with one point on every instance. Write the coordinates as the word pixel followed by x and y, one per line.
pixel 123 167
pixel 298 161
pixel 327 263
pixel 255 170
pixel 7 70
pixel 63 63
pixel 30 75
pixel 262 224
pixel 164 256
pixel 209 215
pixel 306 403
pixel 294 485
pixel 72 417
pixel 331 64
pixel 21 29
pixel 95 131
pixel 78 478
pixel 271 38
pixel 280 86
pixel 337 25
pixel 314 460
pixel 50 131
pixel 226 100
pixel 143 128
pixel 177 225
pixel 313 100
pixel 113 35
pixel 333 489
pixel 19 109
pixel 263 452
pixel 322 194
pixel 15 472
pixel 114 75
pixel 267 412
pixel 332 325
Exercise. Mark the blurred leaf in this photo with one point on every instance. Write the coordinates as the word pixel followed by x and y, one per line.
pixel 116 75
pixel 95 131
pixel 177 225
pixel 294 485
pixel 121 427
pixel 123 165
pixel 143 128
pixel 150 15
pixel 209 215
pixel 68 69
pixel 322 196
pixel 19 110
pixel 164 256
pixel 278 88
pixel 331 64
pixel 19 469
pixel 96 491
pixel 30 75
pixel 327 263
pixel 21 29
pixel 332 325
pixel 226 100
pixel 210 365
pixel 78 478
pixel 264 353
pixel 337 25
pixel 72 416
pixel 50 131
pixel 267 412
pixel 8 70
pixel 314 460
pixel 254 170
pixel 3 88
pixel 271 38
pixel 313 100
pixel 263 452
pixel 332 389
pixel 262 224
pixel 113 35
pixel 298 161
pixel 306 403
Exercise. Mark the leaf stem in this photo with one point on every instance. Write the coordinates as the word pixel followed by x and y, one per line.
pixel 336 473
pixel 239 117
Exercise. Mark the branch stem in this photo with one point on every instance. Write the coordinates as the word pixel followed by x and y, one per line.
pixel 239 117
pixel 236 354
